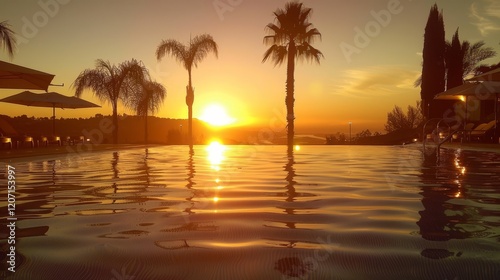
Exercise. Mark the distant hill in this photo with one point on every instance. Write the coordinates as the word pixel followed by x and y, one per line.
pixel 174 131
pixel 130 128
pixel 398 137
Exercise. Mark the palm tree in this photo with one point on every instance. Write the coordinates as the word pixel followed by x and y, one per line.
pixel 290 38
pixel 189 55
pixel 474 54
pixel 7 38
pixel 486 68
pixel 110 83
pixel 147 98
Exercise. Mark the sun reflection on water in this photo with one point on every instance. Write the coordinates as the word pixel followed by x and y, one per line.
pixel 215 157
pixel 215 154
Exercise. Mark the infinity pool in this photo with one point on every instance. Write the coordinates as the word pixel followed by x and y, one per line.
pixel 256 212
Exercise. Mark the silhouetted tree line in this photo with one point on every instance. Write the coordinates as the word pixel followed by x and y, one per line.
pixel 336 139
pixel 397 119
pixel 340 138
pixel 162 130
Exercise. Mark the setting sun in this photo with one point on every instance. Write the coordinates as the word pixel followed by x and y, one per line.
pixel 215 154
pixel 216 115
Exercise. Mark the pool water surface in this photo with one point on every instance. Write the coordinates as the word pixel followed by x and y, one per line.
pixel 256 212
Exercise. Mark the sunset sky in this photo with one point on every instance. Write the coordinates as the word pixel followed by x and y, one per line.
pixel 64 37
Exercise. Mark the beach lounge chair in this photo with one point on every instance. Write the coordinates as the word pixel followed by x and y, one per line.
pixel 463 134
pixel 17 140
pixel 26 141
pixel 482 130
pixel 74 140
pixel 80 139
pixel 5 141
pixel 48 140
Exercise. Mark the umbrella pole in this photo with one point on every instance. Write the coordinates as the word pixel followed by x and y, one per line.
pixel 496 117
pixel 54 120
pixel 466 99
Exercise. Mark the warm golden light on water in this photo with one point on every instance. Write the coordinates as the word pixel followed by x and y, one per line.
pixel 262 203
pixel 215 154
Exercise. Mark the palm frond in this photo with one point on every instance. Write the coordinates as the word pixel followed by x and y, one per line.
pixel 277 54
pixel 7 38
pixel 104 65
pixel 474 54
pixel 269 40
pixel 95 81
pixel 276 35
pixel 418 82
pixel 130 72
pixel 311 35
pixel 200 47
pixel 174 48
pixel 304 14
pixel 159 94
pixel 146 98
pixel 308 52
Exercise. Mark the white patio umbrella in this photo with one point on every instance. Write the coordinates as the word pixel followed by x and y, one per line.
pixel 483 91
pixel 49 99
pixel 14 76
pixel 492 76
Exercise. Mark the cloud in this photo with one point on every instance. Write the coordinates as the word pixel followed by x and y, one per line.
pixel 486 16
pixel 379 81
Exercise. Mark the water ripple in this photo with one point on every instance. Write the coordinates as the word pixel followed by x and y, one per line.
pixel 256 212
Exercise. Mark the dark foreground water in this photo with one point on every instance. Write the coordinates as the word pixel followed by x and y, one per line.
pixel 256 212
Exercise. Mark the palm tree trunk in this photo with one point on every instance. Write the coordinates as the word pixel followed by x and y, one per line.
pixel 290 88
pixel 115 123
pixel 146 129
pixel 189 103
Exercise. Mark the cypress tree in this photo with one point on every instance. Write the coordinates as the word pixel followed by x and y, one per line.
pixel 433 67
pixel 454 62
